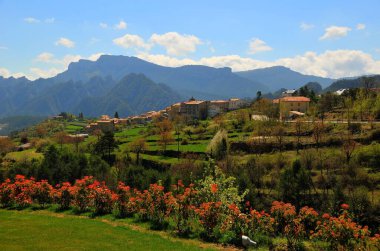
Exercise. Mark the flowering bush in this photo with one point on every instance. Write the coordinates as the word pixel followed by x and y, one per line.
pixel 341 231
pixel 6 193
pixel 22 191
pixel 101 197
pixel 182 208
pixel 209 214
pixel 202 206
pixel 62 195
pixel 125 203
pixel 42 192
pixel 81 194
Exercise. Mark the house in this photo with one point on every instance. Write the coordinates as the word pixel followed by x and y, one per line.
pixel 235 103
pixel 217 106
pixel 288 93
pixel 287 105
pixel 195 109
pixel 340 91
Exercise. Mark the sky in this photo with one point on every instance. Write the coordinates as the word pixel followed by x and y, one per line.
pixel 328 38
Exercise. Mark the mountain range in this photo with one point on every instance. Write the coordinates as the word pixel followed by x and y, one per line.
pixel 131 85
pixel 278 77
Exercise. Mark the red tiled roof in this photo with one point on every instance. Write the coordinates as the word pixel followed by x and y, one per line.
pixel 194 102
pixel 292 99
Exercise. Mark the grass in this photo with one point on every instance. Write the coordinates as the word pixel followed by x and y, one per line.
pixel 24 155
pixel 43 230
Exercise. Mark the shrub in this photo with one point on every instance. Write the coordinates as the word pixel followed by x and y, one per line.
pixel 81 194
pixel 125 203
pixel 102 198
pixel 42 192
pixel 22 191
pixel 6 192
pixel 63 195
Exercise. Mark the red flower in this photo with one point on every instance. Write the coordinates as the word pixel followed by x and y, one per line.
pixel 345 206
pixel 214 188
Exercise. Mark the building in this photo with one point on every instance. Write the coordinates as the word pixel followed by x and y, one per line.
pixel 292 105
pixel 217 106
pixel 235 103
pixel 288 93
pixel 195 109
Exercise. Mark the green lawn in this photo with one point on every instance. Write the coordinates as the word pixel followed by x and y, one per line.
pixel 24 155
pixel 43 230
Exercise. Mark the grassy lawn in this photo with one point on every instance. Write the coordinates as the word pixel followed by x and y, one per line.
pixel 43 230
pixel 23 155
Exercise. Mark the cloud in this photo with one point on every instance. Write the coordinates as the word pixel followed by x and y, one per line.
pixel 31 20
pixel 175 43
pixel 65 42
pixel 45 57
pixel 121 25
pixel 41 73
pixel 360 26
pixel 257 45
pixel 306 26
pixel 3 48
pixel 103 25
pixel 131 41
pixel 4 72
pixel 333 64
pixel 334 32
pixel 96 56
pixel 50 20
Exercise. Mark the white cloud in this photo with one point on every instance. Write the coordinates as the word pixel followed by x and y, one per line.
pixel 121 25
pixel 175 43
pixel 50 20
pixel 4 72
pixel 360 26
pixel 32 20
pixel 306 26
pixel 65 42
pixel 334 64
pixel 41 73
pixel 334 32
pixel 131 41
pixel 96 56
pixel 257 45
pixel 45 57
pixel 103 25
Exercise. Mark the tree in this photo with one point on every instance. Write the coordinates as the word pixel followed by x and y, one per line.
pixel 164 128
pixel 318 131
pixel 218 146
pixel 279 133
pixel 61 138
pixel 178 125
pixel 6 145
pixel 116 115
pixel 348 146
pixel 41 131
pixel 105 145
pixel 258 95
pixel 138 146
pixel 299 129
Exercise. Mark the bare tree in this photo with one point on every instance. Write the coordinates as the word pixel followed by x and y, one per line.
pixel 348 146
pixel 138 146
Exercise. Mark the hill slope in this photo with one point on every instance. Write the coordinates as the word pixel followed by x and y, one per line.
pixel 278 77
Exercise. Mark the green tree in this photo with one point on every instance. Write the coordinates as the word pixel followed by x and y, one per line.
pixel 105 145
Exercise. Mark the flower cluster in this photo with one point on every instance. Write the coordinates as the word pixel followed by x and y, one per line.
pixel 188 212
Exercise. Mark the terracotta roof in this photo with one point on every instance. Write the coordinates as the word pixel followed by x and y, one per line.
pixel 219 101
pixel 292 99
pixel 194 102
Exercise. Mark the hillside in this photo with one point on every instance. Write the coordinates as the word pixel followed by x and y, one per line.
pixel 132 95
pixel 191 80
pixel 278 77
pixel 351 83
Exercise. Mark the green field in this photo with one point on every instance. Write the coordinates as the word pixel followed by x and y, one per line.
pixel 44 230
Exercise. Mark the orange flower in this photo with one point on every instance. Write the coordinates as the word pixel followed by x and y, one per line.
pixel 345 206
pixel 214 188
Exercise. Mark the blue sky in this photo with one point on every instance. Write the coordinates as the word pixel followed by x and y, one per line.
pixel 325 38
